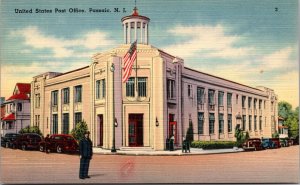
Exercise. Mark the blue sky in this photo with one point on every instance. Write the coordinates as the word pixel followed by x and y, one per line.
pixel 245 41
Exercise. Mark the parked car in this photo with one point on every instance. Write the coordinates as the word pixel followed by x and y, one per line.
pixel 27 141
pixel 296 140
pixel 284 142
pixel 7 139
pixel 60 143
pixel 252 143
pixel 267 143
pixel 276 142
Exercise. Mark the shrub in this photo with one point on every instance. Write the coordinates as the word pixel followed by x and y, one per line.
pixel 32 129
pixel 79 130
pixel 213 144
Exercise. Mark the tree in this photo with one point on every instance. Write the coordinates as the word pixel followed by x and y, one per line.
pixel 33 129
pixel 293 125
pixel 240 136
pixel 190 132
pixel 284 109
pixel 79 130
pixel 291 117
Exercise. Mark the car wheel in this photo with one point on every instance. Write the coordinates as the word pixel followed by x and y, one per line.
pixel 23 147
pixel 41 148
pixel 58 149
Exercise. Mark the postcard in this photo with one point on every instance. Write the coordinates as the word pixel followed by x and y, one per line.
pixel 138 91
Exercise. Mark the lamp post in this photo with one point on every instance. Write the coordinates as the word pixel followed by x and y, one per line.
pixel 112 69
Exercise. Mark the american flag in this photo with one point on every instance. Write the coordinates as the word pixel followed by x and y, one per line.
pixel 128 60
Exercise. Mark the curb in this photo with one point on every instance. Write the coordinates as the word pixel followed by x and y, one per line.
pixel 205 152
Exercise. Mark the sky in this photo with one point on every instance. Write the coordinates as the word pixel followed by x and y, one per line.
pixel 252 42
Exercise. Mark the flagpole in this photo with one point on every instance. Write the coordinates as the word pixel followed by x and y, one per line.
pixel 136 87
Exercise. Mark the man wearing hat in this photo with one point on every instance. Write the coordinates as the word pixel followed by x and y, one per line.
pixel 86 153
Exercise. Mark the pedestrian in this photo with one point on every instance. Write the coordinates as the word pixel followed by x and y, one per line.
pixel 47 142
pixel 86 153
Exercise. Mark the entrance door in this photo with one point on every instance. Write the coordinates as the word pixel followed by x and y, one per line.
pixel 135 130
pixel 100 118
pixel 172 128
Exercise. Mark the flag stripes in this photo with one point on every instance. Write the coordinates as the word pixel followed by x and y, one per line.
pixel 128 61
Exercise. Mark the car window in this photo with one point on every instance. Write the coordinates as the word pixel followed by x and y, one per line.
pixel 69 138
pixel 57 137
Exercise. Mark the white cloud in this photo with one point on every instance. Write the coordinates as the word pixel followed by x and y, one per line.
pixel 211 41
pixel 60 46
pixel 10 74
pixel 278 71
pixel 277 60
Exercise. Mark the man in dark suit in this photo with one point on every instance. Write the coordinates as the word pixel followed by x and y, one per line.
pixel 86 153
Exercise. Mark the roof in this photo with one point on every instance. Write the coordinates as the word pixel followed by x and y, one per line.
pixel 18 97
pixel 280 118
pixel 282 126
pixel 21 92
pixel 222 78
pixel 23 87
pixel 10 117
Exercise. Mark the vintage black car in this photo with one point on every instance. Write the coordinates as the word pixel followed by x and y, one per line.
pixel 60 143
pixel 7 139
pixel 27 141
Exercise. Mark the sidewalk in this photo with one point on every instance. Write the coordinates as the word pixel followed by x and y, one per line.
pixel 194 151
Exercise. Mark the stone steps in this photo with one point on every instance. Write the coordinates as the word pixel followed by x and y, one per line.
pixel 136 148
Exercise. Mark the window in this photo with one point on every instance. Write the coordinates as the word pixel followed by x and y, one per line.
pixel 244 101
pixel 200 95
pixel 229 123
pixel 37 121
pixel 100 89
pixel 54 97
pixel 171 91
pixel 190 91
pixel 66 95
pixel 37 100
pixel 65 125
pixel 249 102
pixel 11 125
pixel 250 122
pixel 237 99
pixel 130 87
pixel 78 117
pixel 211 123
pixel 259 104
pixel 211 97
pixel 19 107
pixel 78 93
pixel 200 122
pixel 272 106
pixel 244 122
pixel 220 98
pixel 54 124
pixel 255 126
pixel 229 100
pixel 142 86
pixel 221 123
pixel 260 122
pixel 254 103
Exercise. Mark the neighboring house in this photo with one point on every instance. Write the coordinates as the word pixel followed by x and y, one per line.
pixel 17 110
pixel 282 130
pixel 2 105
pixel 159 100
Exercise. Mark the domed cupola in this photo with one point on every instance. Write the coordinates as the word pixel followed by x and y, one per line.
pixel 135 28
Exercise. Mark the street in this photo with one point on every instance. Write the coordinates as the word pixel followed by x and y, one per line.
pixel 267 166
